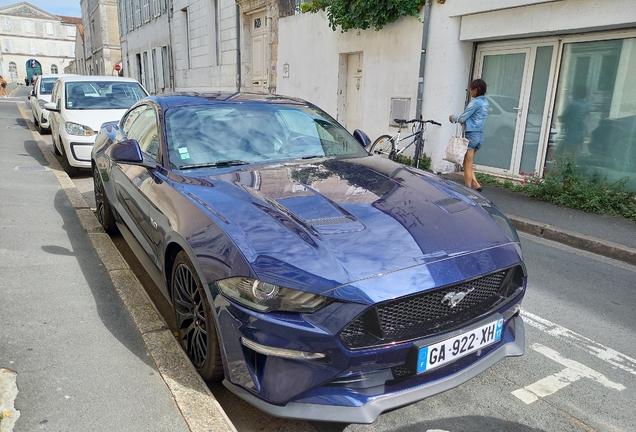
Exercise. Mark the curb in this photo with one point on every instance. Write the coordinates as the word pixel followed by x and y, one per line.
pixel 199 408
pixel 579 241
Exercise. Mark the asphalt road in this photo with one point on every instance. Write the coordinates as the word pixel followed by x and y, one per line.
pixel 578 373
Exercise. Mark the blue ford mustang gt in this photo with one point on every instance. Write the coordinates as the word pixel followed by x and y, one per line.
pixel 318 281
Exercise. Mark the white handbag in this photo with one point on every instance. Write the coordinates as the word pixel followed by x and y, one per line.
pixel 456 148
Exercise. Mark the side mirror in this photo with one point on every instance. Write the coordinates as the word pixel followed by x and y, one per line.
pixel 128 151
pixel 362 138
pixel 50 106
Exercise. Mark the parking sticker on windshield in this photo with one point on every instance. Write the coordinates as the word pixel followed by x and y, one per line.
pixel 183 153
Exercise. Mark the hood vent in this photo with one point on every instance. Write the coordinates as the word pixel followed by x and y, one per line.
pixel 329 221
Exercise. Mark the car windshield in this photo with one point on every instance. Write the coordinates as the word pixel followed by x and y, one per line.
pixel 46 85
pixel 94 95
pixel 232 134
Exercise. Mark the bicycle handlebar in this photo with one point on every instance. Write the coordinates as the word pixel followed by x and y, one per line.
pixel 402 121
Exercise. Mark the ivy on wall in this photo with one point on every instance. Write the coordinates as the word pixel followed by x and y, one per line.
pixel 363 14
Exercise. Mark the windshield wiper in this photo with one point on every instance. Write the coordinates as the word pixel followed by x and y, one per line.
pixel 215 164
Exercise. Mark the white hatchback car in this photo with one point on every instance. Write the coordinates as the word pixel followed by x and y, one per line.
pixel 40 95
pixel 79 105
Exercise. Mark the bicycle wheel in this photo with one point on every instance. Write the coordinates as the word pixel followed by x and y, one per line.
pixel 383 146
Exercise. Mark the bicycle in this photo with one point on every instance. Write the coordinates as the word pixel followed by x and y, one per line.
pixel 388 146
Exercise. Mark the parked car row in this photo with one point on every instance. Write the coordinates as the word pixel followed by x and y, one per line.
pixel 73 107
pixel 316 280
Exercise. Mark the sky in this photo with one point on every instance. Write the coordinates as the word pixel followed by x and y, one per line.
pixel 55 7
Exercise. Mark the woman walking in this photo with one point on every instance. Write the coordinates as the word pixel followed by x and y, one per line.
pixel 474 117
pixel 3 87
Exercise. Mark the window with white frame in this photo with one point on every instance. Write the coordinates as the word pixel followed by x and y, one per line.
pixel 137 13
pixel 130 13
pixel 215 31
pixel 13 67
pixel 185 38
pixel 53 69
pixel 52 49
pixel 71 31
pixel 28 26
pixel 159 66
pixel 8 45
pixel 165 66
pixel 156 8
pixel 49 28
pixel 6 23
pixel 123 24
pixel 146 10
pixel 31 47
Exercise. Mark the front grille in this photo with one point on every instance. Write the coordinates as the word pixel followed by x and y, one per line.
pixel 427 314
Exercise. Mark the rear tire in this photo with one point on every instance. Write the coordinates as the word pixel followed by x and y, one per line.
pixel 383 146
pixel 195 321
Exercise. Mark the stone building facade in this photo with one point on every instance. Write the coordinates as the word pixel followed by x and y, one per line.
pixel 34 41
pixel 101 37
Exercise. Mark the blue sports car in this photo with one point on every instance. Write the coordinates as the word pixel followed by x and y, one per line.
pixel 318 281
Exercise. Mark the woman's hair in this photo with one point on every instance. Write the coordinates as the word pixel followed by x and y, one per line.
pixel 480 85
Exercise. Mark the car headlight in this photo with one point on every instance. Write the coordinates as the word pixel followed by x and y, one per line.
pixel 265 297
pixel 41 102
pixel 78 129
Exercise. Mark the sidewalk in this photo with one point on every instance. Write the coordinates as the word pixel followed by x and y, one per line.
pixel 76 354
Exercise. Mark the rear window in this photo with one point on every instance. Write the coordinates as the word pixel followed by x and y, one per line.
pixel 46 85
pixel 102 94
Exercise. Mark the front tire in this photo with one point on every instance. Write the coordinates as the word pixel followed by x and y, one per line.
pixel 195 322
pixel 104 210
pixel 383 146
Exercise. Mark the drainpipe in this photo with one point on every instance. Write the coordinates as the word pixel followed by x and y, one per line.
pixel 238 48
pixel 420 85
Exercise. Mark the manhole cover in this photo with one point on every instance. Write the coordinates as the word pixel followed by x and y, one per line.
pixel 31 168
pixel 17 127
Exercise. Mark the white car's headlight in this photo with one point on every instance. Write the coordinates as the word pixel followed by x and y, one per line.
pixel 266 297
pixel 78 129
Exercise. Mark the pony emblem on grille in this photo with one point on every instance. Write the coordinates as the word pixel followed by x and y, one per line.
pixel 453 298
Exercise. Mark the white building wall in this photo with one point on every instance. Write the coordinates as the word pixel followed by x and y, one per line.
pixel 201 69
pixel 312 52
pixel 144 39
pixel 392 55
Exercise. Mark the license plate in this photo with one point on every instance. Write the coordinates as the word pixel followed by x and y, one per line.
pixel 432 356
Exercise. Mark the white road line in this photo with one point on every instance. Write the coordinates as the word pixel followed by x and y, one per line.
pixel 573 372
pixel 598 350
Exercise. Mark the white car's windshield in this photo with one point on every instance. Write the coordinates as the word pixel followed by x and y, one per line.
pixel 102 94
pixel 251 132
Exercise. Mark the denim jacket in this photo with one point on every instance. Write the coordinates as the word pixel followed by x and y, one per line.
pixel 474 115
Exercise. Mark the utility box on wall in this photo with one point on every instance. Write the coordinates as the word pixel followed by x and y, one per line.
pixel 400 108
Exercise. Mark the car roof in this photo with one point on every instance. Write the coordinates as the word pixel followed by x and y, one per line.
pixel 171 100
pixel 94 78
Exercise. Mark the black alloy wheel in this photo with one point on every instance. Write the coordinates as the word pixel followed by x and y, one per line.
pixel 195 322
pixel 104 210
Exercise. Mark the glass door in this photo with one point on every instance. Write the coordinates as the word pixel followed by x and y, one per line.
pixel 519 79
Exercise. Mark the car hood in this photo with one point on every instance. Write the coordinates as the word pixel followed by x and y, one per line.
pixel 334 222
pixel 93 118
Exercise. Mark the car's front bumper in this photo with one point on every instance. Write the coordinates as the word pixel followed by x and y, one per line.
pixel 512 344
pixel 78 149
